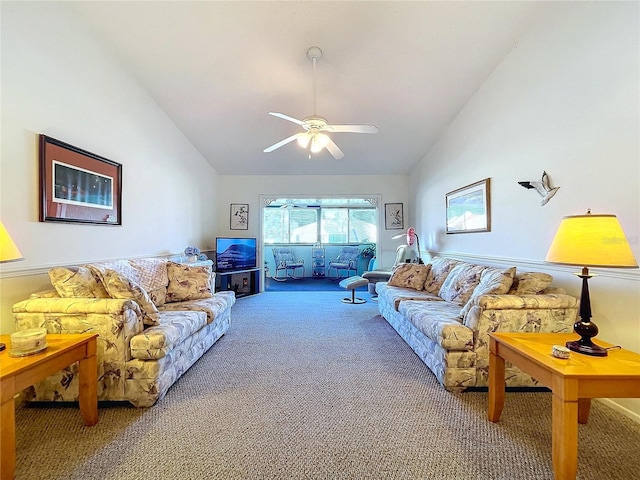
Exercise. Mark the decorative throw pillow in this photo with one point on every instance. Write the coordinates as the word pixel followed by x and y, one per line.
pixel 188 282
pixel 530 283
pixel 440 268
pixel 123 267
pixel 409 275
pixel 77 282
pixel 150 273
pixel 460 283
pixel 493 281
pixel 120 286
pixel 158 296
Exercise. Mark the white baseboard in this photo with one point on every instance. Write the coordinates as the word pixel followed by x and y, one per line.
pixel 619 408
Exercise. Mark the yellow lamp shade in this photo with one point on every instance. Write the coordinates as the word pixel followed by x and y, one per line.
pixel 8 249
pixel 591 241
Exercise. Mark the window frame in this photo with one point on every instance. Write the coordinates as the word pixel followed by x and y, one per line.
pixel 318 209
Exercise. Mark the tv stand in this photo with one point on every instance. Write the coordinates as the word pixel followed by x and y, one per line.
pixel 243 282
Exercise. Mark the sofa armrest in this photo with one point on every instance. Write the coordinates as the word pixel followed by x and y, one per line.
pixel 518 302
pixel 51 293
pixel 547 313
pixel 115 321
pixel 76 305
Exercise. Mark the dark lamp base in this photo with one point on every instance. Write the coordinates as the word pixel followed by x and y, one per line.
pixel 589 348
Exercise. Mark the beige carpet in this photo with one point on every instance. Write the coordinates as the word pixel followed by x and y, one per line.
pixel 303 386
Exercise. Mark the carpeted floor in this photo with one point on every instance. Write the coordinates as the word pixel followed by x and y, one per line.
pixel 304 386
pixel 307 284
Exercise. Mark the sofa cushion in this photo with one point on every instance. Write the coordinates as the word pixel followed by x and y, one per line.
pixel 460 283
pixel 213 306
pixel 439 321
pixel 493 281
pixel 188 282
pixel 440 268
pixel 409 275
pixel 120 286
pixel 173 329
pixel 77 282
pixel 530 283
pixel 394 295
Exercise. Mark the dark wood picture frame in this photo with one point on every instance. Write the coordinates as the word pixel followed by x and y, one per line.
pixel 239 216
pixel 469 208
pixel 77 186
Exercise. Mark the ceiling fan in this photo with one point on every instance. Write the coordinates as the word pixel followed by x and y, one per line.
pixel 315 125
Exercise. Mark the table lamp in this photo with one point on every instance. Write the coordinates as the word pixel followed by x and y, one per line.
pixel 8 253
pixel 412 237
pixel 590 241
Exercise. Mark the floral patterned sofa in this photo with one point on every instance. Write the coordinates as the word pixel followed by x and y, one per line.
pixel 446 309
pixel 154 318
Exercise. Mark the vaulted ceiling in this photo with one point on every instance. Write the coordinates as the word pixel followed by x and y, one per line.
pixel 217 68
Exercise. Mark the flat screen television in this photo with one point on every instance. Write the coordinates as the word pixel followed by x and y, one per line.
pixel 235 253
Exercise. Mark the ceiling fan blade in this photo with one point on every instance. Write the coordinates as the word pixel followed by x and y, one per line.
pixel 287 117
pixel 281 143
pixel 334 150
pixel 352 128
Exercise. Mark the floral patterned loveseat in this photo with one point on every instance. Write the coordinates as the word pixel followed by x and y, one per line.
pixel 154 318
pixel 446 309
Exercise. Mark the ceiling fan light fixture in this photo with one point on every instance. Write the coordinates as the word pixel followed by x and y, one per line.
pixel 319 141
pixel 303 140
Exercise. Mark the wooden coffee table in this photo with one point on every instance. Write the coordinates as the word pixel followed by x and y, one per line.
pixel 16 374
pixel 574 382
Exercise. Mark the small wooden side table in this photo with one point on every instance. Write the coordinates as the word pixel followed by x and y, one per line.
pixel 18 373
pixel 574 382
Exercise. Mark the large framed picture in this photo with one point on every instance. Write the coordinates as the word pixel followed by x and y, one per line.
pixel 239 216
pixel 469 208
pixel 393 216
pixel 78 186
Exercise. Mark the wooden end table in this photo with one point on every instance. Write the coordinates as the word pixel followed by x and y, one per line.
pixel 18 373
pixel 574 382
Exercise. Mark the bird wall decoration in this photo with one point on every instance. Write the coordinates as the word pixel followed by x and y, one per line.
pixel 543 187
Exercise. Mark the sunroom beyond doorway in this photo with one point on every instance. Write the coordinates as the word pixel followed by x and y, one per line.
pixel 316 229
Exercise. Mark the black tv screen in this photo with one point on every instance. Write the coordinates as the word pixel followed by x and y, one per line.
pixel 235 253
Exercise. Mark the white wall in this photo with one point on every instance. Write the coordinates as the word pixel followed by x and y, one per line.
pixel 248 188
pixel 565 100
pixel 59 80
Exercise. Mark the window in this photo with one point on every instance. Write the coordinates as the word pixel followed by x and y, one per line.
pixel 292 221
pixel 348 225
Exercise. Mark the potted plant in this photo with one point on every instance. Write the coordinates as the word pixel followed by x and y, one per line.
pixel 368 251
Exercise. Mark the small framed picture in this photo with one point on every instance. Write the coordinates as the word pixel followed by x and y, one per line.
pixel 239 216
pixel 393 216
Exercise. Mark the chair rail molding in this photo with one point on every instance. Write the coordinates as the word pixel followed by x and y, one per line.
pixel 628 274
pixel 44 269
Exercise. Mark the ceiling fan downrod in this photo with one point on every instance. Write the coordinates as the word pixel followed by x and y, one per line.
pixel 314 54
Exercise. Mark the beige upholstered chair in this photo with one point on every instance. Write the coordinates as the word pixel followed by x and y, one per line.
pixel 285 260
pixel 346 260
